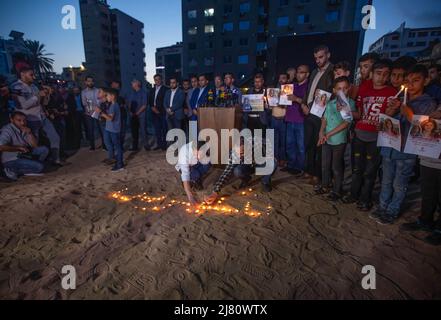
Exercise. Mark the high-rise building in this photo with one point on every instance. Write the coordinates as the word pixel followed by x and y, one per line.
pixel 169 62
pixel 113 44
pixel 241 36
pixel 407 42
pixel 11 51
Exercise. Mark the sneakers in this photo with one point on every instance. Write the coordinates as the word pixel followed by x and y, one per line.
pixel 377 214
pixel 387 219
pixel 11 175
pixel 365 207
pixel 416 226
pixel 33 174
pixel 334 197
pixel 116 169
pixel 349 199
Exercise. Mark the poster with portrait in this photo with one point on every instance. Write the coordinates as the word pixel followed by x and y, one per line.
pixel 273 96
pixel 424 137
pixel 286 90
pixel 389 134
pixel 321 98
pixel 253 103
pixel 344 107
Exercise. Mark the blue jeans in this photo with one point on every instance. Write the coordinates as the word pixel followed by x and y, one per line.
pixel 244 171
pixel 48 128
pixel 198 171
pixel 160 124
pixel 25 166
pixel 295 145
pixel 279 127
pixel 114 147
pixel 395 182
pixel 92 125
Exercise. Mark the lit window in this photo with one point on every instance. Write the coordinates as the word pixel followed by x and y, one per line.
pixel 228 27
pixel 332 16
pixel 209 28
pixel 193 31
pixel 302 19
pixel 245 7
pixel 243 59
pixel 244 25
pixel 283 21
pixel 192 14
pixel 209 12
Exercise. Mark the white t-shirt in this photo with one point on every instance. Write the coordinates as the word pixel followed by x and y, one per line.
pixel 187 158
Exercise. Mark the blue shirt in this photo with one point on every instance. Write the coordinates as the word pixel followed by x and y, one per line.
pixel 114 125
pixel 136 100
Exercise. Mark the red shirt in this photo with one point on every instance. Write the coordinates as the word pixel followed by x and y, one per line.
pixel 371 103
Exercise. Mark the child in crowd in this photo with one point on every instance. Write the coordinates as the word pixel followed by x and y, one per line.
pixel 113 129
pixel 398 167
pixel 343 69
pixel 372 100
pixel 333 138
pixel 422 104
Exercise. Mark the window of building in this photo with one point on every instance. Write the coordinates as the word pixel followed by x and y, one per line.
pixel 243 59
pixel 209 12
pixel 244 25
pixel 243 41
pixel 228 8
pixel 193 63
pixel 283 3
pixel 228 59
pixel 303 18
pixel 282 21
pixel 395 54
pixel 261 46
pixel 228 26
pixel 209 28
pixel 332 16
pixel 193 31
pixel 410 44
pixel 396 37
pixel 209 44
pixel 228 43
pixel 394 46
pixel 209 61
pixel 411 34
pixel 423 34
pixel 192 14
pixel 245 7
pixel 421 44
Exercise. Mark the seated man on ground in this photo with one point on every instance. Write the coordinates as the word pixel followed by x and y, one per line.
pixel 243 168
pixel 193 168
pixel 19 149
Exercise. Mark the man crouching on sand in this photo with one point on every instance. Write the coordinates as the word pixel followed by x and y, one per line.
pixel 243 165
pixel 193 166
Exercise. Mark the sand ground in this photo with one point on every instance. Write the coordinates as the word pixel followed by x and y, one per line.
pixel 304 248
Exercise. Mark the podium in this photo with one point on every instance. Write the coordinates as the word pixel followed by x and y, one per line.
pixel 218 118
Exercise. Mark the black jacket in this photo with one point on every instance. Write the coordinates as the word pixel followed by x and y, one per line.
pixel 159 99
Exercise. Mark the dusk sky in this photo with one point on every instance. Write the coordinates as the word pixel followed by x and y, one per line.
pixel 41 20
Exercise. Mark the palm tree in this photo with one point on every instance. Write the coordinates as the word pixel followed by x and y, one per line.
pixel 39 58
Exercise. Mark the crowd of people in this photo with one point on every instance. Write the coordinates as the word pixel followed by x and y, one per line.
pixel 40 124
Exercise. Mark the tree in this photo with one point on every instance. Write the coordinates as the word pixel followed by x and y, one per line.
pixel 38 57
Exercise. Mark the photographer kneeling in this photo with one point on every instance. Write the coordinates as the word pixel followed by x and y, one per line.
pixel 19 149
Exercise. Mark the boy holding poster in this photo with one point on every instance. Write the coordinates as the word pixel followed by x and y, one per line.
pixel 333 138
pixel 398 166
pixel 430 168
pixel 371 102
